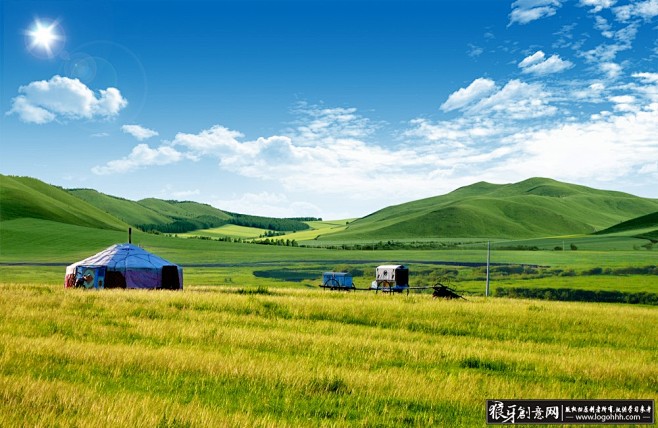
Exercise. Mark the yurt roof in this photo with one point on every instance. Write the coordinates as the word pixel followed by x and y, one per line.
pixel 125 256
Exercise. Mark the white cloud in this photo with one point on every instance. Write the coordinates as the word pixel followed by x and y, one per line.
pixel 214 141
pixel 169 193
pixel 139 132
pixel 651 78
pixel 624 103
pixel 61 97
pixel 602 24
pixel 454 134
pixel 539 65
pixel 140 156
pixel 322 156
pixel 598 5
pixel 648 86
pixel 646 10
pixel 649 168
pixel 606 53
pixel 536 58
pixel 516 100
pixel 29 112
pixel 478 89
pixel 525 11
pixel 100 135
pixel 595 151
pixel 474 50
pixel 268 204
pixel 326 124
pixel 593 92
pixel 611 70
pixel 626 35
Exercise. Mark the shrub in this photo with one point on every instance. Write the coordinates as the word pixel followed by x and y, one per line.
pixel 578 295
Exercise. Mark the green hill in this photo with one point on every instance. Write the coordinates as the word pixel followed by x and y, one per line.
pixel 532 208
pixel 156 214
pixel 24 197
pixel 645 227
pixel 185 209
pixel 643 222
pixel 129 211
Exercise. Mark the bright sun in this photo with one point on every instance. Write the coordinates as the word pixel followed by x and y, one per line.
pixel 43 36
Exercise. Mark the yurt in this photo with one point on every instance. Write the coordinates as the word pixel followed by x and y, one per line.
pixel 124 266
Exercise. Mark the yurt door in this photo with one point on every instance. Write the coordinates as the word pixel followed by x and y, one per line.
pixel 170 278
pixel 90 276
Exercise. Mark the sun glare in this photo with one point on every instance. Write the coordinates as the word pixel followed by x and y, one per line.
pixel 44 36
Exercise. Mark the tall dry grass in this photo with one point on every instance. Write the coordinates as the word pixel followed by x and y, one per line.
pixel 207 357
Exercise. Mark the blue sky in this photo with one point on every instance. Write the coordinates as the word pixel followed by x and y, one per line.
pixel 328 108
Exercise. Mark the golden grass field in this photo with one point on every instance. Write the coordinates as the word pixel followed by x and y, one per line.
pixel 222 356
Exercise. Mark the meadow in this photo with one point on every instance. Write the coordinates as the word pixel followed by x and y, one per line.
pixel 252 340
pixel 227 355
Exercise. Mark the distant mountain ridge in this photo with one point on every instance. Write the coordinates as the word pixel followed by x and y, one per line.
pixel 26 197
pixel 535 207
pixel 156 214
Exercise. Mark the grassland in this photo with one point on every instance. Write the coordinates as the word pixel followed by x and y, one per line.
pixel 252 341
pixel 24 197
pixel 531 208
pixel 39 241
pixel 317 229
pixel 224 356
pixel 228 230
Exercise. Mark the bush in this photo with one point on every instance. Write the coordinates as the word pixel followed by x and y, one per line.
pixel 578 295
pixel 593 271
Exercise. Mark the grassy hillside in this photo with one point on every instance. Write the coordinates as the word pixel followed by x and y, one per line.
pixel 24 197
pixel 646 224
pixel 129 211
pixel 184 209
pixel 170 216
pixel 532 208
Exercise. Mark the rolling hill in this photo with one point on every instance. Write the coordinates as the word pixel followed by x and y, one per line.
pixel 130 212
pixel 24 197
pixel 532 208
pixel 156 214
pixel 645 227
pixel 29 198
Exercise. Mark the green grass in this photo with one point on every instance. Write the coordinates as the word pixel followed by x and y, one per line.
pixel 24 197
pixel 628 283
pixel 38 241
pixel 210 356
pixel 186 209
pixel 531 208
pixel 317 228
pixel 130 212
pixel 647 222
pixel 228 230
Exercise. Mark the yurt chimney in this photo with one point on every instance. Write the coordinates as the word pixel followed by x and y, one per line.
pixel 130 235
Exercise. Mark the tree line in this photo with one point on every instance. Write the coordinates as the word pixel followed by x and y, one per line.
pixel 578 295
pixel 183 225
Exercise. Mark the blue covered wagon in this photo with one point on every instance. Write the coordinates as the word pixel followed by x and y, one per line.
pixel 337 281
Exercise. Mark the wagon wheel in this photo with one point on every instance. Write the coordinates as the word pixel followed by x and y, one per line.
pixel 331 283
pixel 385 284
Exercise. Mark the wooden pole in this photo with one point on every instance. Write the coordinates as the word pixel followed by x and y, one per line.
pixel 486 291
